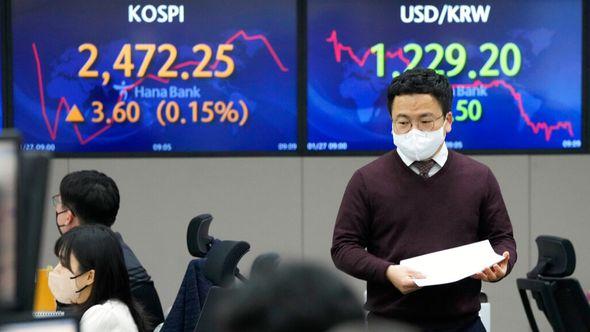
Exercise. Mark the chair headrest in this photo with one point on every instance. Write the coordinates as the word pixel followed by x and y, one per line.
pixel 557 258
pixel 198 240
pixel 221 265
pixel 264 264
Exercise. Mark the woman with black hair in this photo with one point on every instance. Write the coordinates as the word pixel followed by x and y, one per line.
pixel 91 275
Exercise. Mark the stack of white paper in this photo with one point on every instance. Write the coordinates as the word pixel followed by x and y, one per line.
pixel 450 265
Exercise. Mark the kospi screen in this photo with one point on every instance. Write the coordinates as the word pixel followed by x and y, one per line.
pixel 2 79
pixel 201 76
pixel 1 88
pixel 515 69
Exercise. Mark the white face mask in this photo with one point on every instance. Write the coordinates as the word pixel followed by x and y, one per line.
pixel 62 284
pixel 419 145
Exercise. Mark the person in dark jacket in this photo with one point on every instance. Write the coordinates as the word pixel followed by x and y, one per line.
pixel 91 197
pixel 418 199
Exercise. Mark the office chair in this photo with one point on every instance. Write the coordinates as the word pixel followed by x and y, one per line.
pixel 198 240
pixel 191 296
pixel 264 264
pixel 561 299
pixel 221 268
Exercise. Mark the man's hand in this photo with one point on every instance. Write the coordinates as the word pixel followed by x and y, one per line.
pixel 402 278
pixel 496 272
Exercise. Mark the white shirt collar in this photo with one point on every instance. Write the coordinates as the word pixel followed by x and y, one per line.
pixel 440 158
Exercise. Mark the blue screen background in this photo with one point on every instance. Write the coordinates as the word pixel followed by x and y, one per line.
pixel 1 76
pixel 46 39
pixel 347 101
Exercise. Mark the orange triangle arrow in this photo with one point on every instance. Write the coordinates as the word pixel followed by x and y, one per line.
pixel 75 115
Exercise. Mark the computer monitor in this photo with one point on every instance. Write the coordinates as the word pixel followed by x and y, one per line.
pixel 23 197
pixel 3 80
pixel 9 165
pixel 33 174
pixel 29 324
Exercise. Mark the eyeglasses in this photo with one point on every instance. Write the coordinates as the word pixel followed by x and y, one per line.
pixel 404 125
pixel 56 200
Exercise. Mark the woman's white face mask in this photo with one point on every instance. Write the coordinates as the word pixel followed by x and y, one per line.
pixel 63 286
pixel 419 145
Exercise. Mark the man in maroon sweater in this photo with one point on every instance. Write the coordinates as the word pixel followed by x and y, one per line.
pixel 418 199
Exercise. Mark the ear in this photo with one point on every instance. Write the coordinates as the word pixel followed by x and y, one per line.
pixel 73 219
pixel 69 217
pixel 89 279
pixel 449 122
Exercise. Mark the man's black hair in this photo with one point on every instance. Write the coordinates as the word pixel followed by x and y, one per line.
pixel 91 196
pixel 421 81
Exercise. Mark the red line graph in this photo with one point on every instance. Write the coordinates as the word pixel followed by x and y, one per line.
pixel 63 103
pixel 536 127
pixel 361 61
pixel 262 38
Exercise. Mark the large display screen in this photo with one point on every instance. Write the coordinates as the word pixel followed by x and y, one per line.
pixel 2 78
pixel 515 68
pixel 201 76
pixel 2 82
pixel 8 221
pixel 1 88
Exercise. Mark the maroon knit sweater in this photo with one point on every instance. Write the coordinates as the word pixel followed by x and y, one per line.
pixel 389 213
